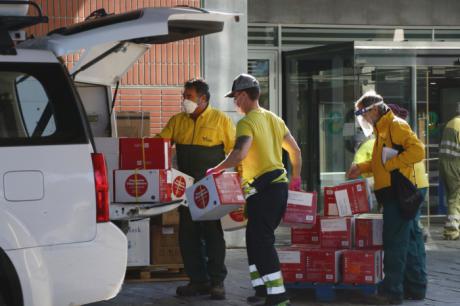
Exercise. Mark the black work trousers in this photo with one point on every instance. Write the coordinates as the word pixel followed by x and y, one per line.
pixel 202 246
pixel 265 210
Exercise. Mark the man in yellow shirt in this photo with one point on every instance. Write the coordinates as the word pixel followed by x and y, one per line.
pixel 261 136
pixel 203 136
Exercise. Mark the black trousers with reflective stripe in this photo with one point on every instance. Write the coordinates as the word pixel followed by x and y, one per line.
pixel 265 210
pixel 202 246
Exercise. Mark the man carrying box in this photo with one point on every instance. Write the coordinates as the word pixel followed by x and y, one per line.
pixel 261 136
pixel 202 135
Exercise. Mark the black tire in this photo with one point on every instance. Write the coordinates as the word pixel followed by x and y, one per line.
pixel 2 300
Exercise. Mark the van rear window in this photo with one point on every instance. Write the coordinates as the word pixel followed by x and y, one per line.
pixel 38 106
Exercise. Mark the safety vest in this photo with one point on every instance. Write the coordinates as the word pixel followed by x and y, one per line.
pixel 450 142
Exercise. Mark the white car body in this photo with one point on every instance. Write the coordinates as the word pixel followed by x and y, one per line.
pixel 54 251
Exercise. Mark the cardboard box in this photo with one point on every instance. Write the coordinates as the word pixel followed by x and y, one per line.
pixel 346 199
pixel 142 186
pixel 336 232
pixel 306 235
pixel 145 153
pixel 322 265
pixel 214 196
pixel 235 220
pixel 109 147
pixel 138 243
pixel 133 124
pixel 180 183
pixel 168 218
pixel 301 208
pixel 292 264
pixel 369 231
pixel 330 205
pixel 351 198
pixel 165 245
pixel 362 266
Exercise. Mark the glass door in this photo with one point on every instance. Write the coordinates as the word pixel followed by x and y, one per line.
pixel 320 86
pixel 318 95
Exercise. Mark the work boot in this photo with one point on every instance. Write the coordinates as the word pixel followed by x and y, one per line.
pixel 278 300
pixel 259 296
pixel 379 299
pixel 285 303
pixel 451 228
pixel 217 291
pixel 451 233
pixel 414 296
pixel 193 289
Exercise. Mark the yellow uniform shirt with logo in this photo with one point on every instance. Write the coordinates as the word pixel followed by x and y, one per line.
pixel 211 128
pixel 267 131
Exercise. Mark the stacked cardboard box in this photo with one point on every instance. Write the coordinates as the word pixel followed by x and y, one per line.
pixel 165 245
pixel 142 173
pixel 138 243
pixel 344 246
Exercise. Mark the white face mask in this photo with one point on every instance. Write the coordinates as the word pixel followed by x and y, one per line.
pixel 189 106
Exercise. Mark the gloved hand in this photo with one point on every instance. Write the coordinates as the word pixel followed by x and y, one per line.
pixel 213 171
pixel 295 183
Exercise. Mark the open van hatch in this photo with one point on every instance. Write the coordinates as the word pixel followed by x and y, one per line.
pixel 113 43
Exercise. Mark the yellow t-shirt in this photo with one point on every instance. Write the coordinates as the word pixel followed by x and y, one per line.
pixel 211 128
pixel 267 131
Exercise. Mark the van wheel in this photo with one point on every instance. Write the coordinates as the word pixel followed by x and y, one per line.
pixel 2 300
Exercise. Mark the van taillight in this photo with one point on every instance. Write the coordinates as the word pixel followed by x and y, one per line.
pixel 102 187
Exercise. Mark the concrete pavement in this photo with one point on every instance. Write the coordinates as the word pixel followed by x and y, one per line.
pixel 443 261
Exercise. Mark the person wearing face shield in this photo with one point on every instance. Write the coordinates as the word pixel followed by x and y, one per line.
pixel 202 136
pixel 261 137
pixel 404 260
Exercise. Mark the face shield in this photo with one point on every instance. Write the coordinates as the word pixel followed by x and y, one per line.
pixel 365 125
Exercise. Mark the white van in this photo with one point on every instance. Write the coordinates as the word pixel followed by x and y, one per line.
pixel 57 245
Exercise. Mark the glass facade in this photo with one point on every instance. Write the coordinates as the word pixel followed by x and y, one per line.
pixel 321 84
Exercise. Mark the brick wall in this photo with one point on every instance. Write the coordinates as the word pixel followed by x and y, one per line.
pixel 154 84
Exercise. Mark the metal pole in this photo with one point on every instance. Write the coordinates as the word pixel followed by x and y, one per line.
pixel 413 117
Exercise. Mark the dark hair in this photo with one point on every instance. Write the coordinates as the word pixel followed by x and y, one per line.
pixel 399 111
pixel 253 93
pixel 200 86
pixel 370 98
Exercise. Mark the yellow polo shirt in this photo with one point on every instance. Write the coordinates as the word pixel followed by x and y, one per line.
pixel 267 131
pixel 211 128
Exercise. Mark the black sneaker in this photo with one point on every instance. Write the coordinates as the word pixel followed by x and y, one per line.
pixel 217 291
pixel 193 289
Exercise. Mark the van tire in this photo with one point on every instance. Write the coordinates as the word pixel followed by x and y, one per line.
pixel 2 300
pixel 10 287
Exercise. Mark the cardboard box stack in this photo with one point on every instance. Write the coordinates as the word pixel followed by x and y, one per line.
pixel 343 246
pixel 140 172
pixel 144 174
